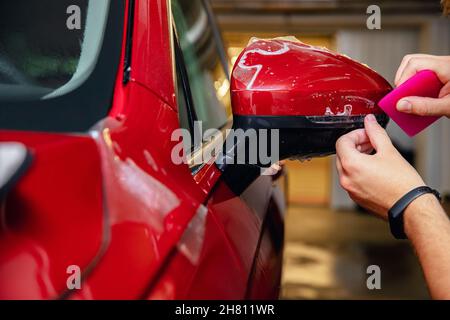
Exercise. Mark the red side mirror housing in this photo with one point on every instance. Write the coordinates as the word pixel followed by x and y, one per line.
pixel 286 78
pixel 312 95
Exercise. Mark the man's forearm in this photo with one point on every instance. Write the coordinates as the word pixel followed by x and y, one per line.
pixel 428 228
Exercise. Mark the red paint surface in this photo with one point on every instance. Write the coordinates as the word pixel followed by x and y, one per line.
pixel 281 77
pixel 53 218
pixel 85 200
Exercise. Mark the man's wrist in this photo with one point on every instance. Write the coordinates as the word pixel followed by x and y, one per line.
pixel 421 214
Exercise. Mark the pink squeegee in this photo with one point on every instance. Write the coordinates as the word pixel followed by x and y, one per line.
pixel 424 84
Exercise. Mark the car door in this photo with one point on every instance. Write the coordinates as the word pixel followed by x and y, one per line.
pixel 205 109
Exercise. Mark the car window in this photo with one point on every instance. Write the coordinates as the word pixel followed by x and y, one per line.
pixel 208 81
pixel 58 62
pixel 48 48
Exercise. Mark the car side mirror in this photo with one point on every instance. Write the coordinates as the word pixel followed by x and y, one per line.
pixel 310 96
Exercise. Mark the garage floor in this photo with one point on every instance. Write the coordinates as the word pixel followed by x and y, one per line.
pixel 327 254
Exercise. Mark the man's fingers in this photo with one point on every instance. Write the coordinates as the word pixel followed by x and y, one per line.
pixel 404 63
pixel 401 68
pixel 348 144
pixel 358 137
pixel 366 148
pixel 347 149
pixel 414 65
pixel 378 137
pixel 445 90
pixel 425 106
pixel 417 63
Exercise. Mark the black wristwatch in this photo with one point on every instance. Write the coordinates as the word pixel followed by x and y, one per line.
pixel 395 214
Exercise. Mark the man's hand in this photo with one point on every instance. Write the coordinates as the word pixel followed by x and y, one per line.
pixel 375 181
pixel 414 63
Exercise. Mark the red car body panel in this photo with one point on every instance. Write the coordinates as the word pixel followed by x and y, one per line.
pixel 54 216
pixel 112 202
pixel 320 82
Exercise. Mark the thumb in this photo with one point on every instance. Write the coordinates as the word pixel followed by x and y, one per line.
pixel 377 135
pixel 425 106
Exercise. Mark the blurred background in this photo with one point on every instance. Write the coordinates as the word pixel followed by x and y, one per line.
pixel 329 241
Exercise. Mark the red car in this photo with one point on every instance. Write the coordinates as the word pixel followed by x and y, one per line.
pixel 89 97
pixel 93 201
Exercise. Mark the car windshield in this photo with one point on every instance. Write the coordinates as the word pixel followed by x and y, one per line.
pixel 47 47
pixel 48 50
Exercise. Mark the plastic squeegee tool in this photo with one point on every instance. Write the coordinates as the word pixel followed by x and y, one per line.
pixel 424 83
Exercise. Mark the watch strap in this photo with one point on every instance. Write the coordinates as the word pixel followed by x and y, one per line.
pixel 395 214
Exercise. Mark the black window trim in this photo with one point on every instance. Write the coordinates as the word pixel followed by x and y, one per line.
pixel 129 42
pixel 181 66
